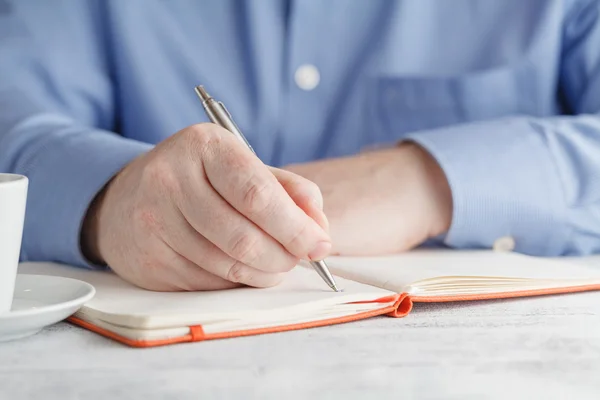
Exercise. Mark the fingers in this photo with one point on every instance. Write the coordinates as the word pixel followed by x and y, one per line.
pixel 187 242
pixel 201 212
pixel 249 187
pixel 230 232
pixel 305 194
pixel 190 276
pixel 209 215
pixel 166 270
pixel 186 275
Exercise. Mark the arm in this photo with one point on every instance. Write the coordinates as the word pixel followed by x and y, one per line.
pixel 535 179
pixel 198 211
pixel 56 116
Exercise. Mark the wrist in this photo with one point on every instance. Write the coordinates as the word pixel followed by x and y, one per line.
pixel 90 228
pixel 433 184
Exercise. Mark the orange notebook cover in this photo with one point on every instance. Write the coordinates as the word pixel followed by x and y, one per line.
pixel 372 286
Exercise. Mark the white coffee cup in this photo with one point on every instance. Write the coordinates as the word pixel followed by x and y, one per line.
pixel 13 198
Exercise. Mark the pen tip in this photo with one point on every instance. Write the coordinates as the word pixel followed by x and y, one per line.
pixel 202 93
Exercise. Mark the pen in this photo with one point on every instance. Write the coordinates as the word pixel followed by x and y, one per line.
pixel 219 115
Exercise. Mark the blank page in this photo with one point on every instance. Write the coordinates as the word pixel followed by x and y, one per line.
pixel 121 303
pixel 401 273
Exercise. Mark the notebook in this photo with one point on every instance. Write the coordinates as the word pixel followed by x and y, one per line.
pixel 372 286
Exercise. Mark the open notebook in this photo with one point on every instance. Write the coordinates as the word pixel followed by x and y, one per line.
pixel 371 286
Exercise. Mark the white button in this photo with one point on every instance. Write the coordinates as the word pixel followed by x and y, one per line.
pixel 505 243
pixel 307 77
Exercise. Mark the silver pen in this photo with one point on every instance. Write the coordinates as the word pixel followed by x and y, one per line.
pixel 219 115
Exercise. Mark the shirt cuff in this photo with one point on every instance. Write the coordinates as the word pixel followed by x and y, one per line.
pixel 503 183
pixel 65 176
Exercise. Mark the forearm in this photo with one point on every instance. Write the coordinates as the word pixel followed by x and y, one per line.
pixel 56 117
pixel 67 166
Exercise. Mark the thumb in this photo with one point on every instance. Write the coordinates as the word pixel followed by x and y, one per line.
pixel 306 194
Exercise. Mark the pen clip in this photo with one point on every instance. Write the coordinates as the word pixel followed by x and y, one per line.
pixel 226 110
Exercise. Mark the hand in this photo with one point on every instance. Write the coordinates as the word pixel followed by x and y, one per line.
pixel 382 202
pixel 200 212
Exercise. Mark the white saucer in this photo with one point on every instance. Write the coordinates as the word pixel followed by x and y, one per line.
pixel 40 301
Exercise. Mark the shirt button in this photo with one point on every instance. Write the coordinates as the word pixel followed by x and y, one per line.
pixel 307 77
pixel 505 243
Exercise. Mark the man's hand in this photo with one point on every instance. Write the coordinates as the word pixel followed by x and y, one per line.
pixel 201 212
pixel 382 202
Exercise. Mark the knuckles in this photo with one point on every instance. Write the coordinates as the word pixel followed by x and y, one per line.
pixel 257 196
pixel 244 247
pixel 160 174
pixel 201 138
pixel 237 274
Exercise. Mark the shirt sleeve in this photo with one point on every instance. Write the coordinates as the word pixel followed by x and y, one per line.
pixel 534 179
pixel 56 119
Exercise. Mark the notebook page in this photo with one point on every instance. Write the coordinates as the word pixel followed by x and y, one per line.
pixel 327 313
pixel 464 286
pixel 121 303
pixel 400 272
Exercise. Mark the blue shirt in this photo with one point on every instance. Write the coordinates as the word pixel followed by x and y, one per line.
pixel 504 94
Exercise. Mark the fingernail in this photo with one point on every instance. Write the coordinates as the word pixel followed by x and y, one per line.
pixel 320 251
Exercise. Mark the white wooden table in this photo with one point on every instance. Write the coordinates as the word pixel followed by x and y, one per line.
pixel 544 347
